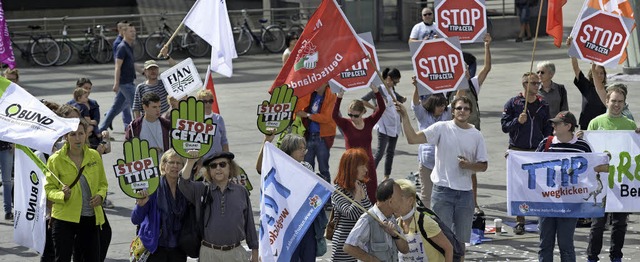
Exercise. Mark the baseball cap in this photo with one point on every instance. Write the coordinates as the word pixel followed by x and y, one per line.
pixel 150 63
pixel 566 117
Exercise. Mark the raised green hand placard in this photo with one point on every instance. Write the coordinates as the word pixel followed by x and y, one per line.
pixel 139 170
pixel 277 113
pixel 189 129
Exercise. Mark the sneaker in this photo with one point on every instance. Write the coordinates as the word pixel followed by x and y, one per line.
pixel 8 216
pixel 519 39
pixel 519 229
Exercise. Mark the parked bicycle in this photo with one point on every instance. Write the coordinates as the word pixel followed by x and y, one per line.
pixel 195 45
pixel 296 23
pixel 96 47
pixel 41 48
pixel 271 38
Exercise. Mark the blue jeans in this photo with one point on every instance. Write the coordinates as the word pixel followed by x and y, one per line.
pixel 618 232
pixel 121 103
pixel 306 250
pixel 563 228
pixel 386 145
pixel 6 165
pixel 316 148
pixel 455 208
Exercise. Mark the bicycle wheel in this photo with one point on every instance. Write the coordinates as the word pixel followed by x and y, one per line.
pixel 100 51
pixel 45 51
pixel 154 44
pixel 243 42
pixel 273 39
pixel 66 52
pixel 138 49
pixel 196 46
pixel 296 28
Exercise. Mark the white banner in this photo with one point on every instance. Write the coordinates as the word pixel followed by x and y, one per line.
pixel 292 196
pixel 26 121
pixel 181 79
pixel 30 201
pixel 622 185
pixel 555 184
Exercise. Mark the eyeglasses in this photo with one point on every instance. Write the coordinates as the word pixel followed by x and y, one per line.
pixel 532 83
pixel 304 149
pixel 353 116
pixel 463 108
pixel 427 14
pixel 210 101
pixel 540 72
pixel 174 163
pixel 220 164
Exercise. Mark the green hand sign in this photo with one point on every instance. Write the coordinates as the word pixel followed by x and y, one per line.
pixel 189 129
pixel 140 168
pixel 277 113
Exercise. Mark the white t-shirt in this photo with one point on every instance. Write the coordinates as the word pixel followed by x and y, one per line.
pixel 452 141
pixel 422 31
pixel 152 132
pixel 389 123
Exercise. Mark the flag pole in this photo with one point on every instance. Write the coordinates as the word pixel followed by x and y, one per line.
pixel 175 33
pixel 533 54
pixel 381 78
pixel 369 213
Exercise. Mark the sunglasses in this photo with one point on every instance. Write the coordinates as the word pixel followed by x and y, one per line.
pixel 462 108
pixel 210 101
pixel 353 116
pixel 427 14
pixel 540 72
pixel 215 165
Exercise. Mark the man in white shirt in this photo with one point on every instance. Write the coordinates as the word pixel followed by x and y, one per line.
pixel 368 233
pixel 460 152
pixel 426 29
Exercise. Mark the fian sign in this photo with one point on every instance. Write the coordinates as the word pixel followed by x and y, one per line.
pixel 181 79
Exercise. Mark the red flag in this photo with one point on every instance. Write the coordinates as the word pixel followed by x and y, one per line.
pixel 327 46
pixel 554 20
pixel 208 83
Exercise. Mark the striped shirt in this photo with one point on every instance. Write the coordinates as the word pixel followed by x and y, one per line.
pixel 143 88
pixel 577 145
pixel 348 215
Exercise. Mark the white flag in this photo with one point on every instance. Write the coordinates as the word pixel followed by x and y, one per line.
pixel 209 20
pixel 292 197
pixel 26 121
pixel 30 202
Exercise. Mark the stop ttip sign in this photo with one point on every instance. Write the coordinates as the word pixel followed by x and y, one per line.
pixel 465 19
pixel 601 38
pixel 362 74
pixel 438 65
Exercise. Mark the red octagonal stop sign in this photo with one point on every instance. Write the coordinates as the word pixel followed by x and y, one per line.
pixel 465 19
pixel 362 73
pixel 601 37
pixel 438 65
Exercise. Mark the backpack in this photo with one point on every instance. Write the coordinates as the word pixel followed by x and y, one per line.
pixel 458 246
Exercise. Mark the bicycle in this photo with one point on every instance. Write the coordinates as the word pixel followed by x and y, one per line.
pixel 297 25
pixel 41 49
pixel 97 48
pixel 272 37
pixel 195 45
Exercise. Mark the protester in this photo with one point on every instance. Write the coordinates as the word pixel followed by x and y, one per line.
pixel 228 217
pixel 290 41
pixel 426 29
pixel 350 182
pixel 611 120
pixel 94 110
pixel 371 241
pixel 152 84
pixel 76 185
pixel 408 220
pixel 428 112
pixel 81 102
pixel 220 142
pixel 526 129
pixel 357 132
pixel 121 26
pixel 311 244
pixel 602 92
pixel 460 151
pixel 151 126
pixel 388 126
pixel 315 113
pixel 592 106
pixel 159 215
pixel 524 14
pixel 563 140
pixel 555 94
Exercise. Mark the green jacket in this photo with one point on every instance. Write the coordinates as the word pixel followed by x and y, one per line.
pixel 63 167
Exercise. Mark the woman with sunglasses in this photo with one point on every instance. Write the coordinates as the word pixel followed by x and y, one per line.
pixel 220 142
pixel 290 40
pixel 357 132
pixel 160 214
pixel 228 217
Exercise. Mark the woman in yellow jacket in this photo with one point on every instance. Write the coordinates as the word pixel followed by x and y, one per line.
pixel 77 186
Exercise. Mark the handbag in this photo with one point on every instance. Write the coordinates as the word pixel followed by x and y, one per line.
pixel 331 226
pixel 137 251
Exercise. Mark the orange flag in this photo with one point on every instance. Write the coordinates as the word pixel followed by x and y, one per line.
pixel 554 20
pixel 208 83
pixel 327 46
